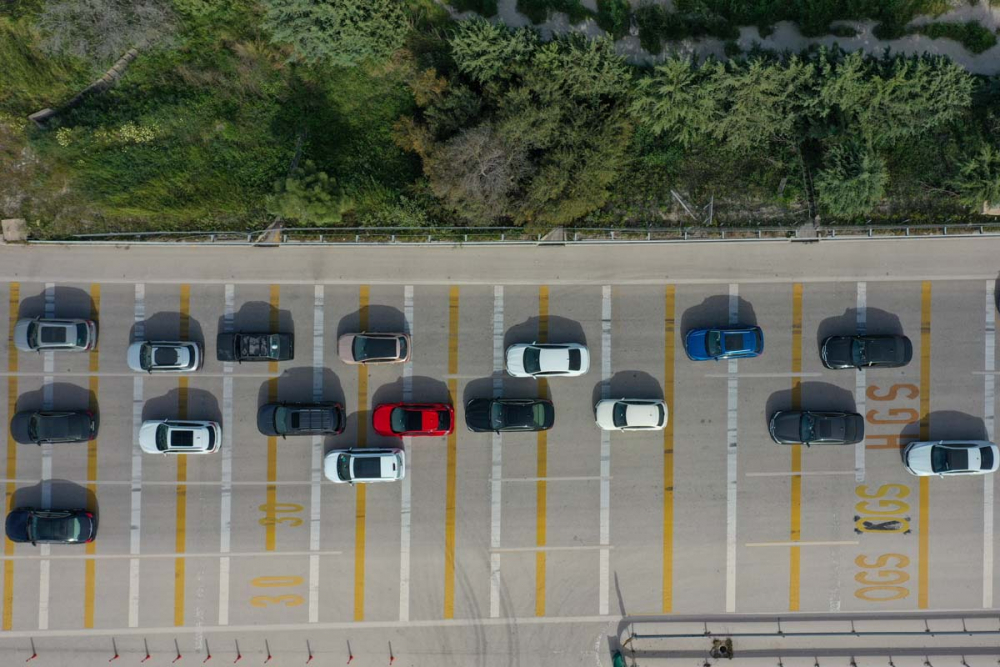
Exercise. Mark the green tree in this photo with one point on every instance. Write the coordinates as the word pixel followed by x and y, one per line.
pixel 852 182
pixel 337 32
pixel 978 179
pixel 487 51
pixel 675 101
pixel 309 196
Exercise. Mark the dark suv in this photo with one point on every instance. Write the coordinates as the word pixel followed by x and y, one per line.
pixel 301 419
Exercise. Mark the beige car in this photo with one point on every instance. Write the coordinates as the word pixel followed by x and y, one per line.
pixel 374 348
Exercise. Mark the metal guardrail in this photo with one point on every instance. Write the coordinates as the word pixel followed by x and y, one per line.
pixel 328 236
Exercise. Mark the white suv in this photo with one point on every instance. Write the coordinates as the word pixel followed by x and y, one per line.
pixel 347 466
pixel 176 436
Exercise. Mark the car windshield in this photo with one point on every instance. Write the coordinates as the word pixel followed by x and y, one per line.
pixel 944 459
pixel 281 419
pixel 402 420
pixel 33 427
pixel 574 359
pixel 713 343
pixel 54 530
pixel 619 414
pixel 146 356
pixel 531 360
pixel 82 334
pixel 807 428
pixel 161 437
pixel 33 335
pixel 402 348
pixel 211 439
pixel 344 467
pixel 374 348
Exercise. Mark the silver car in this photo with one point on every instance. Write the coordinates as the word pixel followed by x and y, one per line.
pixel 951 457
pixel 347 466
pixel 525 360
pixel 164 357
pixel 40 334
pixel 374 348
pixel 179 436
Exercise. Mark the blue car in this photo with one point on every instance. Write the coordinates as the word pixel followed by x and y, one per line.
pixel 735 342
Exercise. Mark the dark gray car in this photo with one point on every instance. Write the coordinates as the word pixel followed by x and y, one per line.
pixel 817 428
pixel 71 526
pixel 884 351
pixel 300 419
pixel 509 414
pixel 51 426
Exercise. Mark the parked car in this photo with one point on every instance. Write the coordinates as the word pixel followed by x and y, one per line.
pixel 509 414
pixel 413 419
pixel 301 419
pixel 40 335
pixel 54 426
pixel 255 347
pixel 736 342
pixel 71 526
pixel 547 360
pixel 364 466
pixel 884 351
pixel 374 348
pixel 146 356
pixel 951 457
pixel 630 414
pixel 176 436
pixel 817 428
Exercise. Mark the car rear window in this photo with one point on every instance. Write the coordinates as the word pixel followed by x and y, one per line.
pixel 574 360
pixel 986 453
pixel 444 420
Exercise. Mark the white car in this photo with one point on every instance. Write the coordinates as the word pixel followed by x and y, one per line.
pixel 951 457
pixel 631 414
pixel 525 360
pixel 40 334
pixel 176 436
pixel 363 465
pixel 164 357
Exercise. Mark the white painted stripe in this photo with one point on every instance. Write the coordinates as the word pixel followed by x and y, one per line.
pixel 135 534
pixel 405 493
pixel 186 554
pixel 496 487
pixel 46 475
pixel 989 418
pixel 732 404
pixel 315 499
pixel 43 591
pixel 809 374
pixel 832 543
pixel 605 556
pixel 226 474
pixel 861 382
pixel 786 473
pixel 547 547
pixel 580 478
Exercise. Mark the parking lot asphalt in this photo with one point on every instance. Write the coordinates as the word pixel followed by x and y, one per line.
pixel 495 547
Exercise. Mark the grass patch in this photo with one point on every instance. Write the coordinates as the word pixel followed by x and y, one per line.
pixel 485 8
pixel 538 11
pixel 614 17
pixel 29 79
pixel 971 34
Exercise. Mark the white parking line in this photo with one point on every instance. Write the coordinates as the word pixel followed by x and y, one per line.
pixel 732 402
pixel 766 375
pixel 47 404
pixel 832 543
pixel 496 488
pixel 185 554
pixel 989 398
pixel 605 560
pixel 548 547
pixel 580 478
pixel 788 473
pixel 861 382
pixel 404 500
pixel 139 321
pixel 317 457
pixel 226 494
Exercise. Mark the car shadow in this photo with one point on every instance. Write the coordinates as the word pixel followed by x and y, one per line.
pixel 816 396
pixel 70 302
pixel 381 319
pixel 714 312
pixel 166 326
pixel 629 384
pixel 295 385
pixel 425 390
pixel 955 425
pixel 877 321
pixel 560 330
pixel 65 495
pixel 201 406
pixel 65 396
pixel 259 317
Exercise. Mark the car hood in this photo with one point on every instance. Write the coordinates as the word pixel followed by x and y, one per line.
pixel 515 360
pixel 21 334
pixel 147 437
pixel 345 347
pixel 696 344
pixel 604 414
pixel 381 418
pixel 265 419
pixel 837 350
pixel 477 414
pixel 785 426
pixel 133 355
pixel 918 459
pixel 17 526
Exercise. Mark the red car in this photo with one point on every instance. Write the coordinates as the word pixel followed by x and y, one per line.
pixel 399 419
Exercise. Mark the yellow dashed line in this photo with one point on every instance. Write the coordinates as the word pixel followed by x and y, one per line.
pixel 180 545
pixel 924 527
pixel 794 556
pixel 8 546
pixel 270 530
pixel 361 498
pixel 89 568
pixel 452 461
pixel 541 486
pixel 668 452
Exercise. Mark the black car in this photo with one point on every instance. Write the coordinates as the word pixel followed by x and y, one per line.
pixel 26 524
pixel 301 419
pixel 817 428
pixel 866 351
pixel 54 426
pixel 509 414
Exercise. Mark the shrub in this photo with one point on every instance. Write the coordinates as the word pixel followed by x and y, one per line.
pixel 614 17
pixel 538 11
pixel 852 182
pixel 308 196
pixel 485 8
pixel 971 34
pixel 978 179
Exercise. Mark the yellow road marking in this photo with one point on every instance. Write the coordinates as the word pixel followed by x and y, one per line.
pixel 182 412
pixel 451 461
pixel 89 568
pixel 923 532
pixel 270 530
pixel 541 486
pixel 795 563
pixel 668 452
pixel 361 498
pixel 8 546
